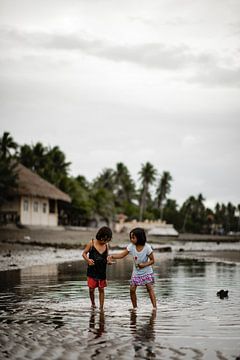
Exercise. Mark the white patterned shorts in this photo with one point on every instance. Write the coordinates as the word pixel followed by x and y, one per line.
pixel 139 280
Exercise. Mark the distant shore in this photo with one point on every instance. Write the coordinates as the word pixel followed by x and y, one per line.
pixel 21 248
pixel 77 238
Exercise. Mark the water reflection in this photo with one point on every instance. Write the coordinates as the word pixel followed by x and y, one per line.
pixel 97 322
pixel 49 309
pixel 9 279
pixel 143 334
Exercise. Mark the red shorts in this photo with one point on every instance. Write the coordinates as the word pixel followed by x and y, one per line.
pixel 93 283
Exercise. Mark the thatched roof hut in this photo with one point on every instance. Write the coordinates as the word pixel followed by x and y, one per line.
pixel 31 184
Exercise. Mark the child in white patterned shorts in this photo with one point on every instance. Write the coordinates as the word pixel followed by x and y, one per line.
pixel 142 260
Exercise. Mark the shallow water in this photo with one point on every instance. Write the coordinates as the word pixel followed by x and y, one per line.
pixel 45 313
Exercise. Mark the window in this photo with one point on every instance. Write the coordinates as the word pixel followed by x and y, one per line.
pixel 44 208
pixel 25 205
pixel 35 206
pixel 51 206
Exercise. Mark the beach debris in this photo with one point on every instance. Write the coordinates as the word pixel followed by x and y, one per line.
pixel 222 294
pixel 163 249
pixel 8 254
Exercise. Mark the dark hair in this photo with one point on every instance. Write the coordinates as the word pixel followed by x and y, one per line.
pixel 104 233
pixel 140 235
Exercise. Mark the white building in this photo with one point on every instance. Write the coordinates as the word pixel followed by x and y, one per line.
pixel 35 201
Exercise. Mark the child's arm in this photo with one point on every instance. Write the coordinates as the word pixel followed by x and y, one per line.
pixel 151 261
pixel 120 255
pixel 85 252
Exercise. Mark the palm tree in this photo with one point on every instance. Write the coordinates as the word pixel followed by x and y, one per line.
pixel 105 180
pixel 102 195
pixel 187 209
pixel 56 167
pixel 125 189
pixel 8 174
pixel 238 223
pixel 147 177
pixel 6 145
pixel 26 157
pixel 50 163
pixel 34 157
pixel 163 189
pixel 200 208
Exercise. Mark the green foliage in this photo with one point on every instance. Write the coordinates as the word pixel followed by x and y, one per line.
pixel 113 191
pixel 49 163
pixel 164 188
pixel 8 179
pixel 147 177
pixel 8 176
pixel 103 204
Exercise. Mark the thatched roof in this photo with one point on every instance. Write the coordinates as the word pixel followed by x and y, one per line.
pixel 29 183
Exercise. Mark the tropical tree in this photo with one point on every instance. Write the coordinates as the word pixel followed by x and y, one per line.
pixel 147 177
pixel 8 175
pixel 8 179
pixel 80 210
pixel 238 218
pixel 105 180
pixel 102 196
pixel 26 157
pixel 49 163
pixel 7 146
pixel 164 188
pixel 103 205
pixel 194 214
pixel 124 187
pixel 56 169
pixel 230 217
pixel 171 214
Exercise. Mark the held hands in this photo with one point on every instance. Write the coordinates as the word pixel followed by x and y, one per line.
pixel 91 262
pixel 110 260
pixel 141 266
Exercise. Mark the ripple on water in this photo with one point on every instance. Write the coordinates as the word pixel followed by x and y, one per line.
pixel 53 319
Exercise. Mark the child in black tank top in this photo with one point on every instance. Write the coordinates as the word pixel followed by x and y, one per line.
pixel 95 254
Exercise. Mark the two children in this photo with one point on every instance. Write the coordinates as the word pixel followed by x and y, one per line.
pixel 96 255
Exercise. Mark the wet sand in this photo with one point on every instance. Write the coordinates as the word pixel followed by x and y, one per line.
pixel 18 256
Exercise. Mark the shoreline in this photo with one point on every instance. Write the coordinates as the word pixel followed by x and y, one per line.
pixel 21 248
pixel 18 256
pixel 61 237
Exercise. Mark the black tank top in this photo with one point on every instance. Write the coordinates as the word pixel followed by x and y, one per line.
pixel 98 270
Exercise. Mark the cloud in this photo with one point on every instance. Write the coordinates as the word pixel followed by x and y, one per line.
pixel 189 141
pixel 151 55
pixel 192 66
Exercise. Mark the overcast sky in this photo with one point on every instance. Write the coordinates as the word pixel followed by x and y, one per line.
pixel 128 81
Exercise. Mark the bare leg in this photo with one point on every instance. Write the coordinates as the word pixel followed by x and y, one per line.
pixel 133 295
pixel 152 295
pixel 92 297
pixel 101 297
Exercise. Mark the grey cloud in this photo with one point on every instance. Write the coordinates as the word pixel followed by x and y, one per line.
pixel 204 66
pixel 151 55
pixel 217 76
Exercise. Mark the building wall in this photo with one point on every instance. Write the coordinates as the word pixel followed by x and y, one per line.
pixel 36 211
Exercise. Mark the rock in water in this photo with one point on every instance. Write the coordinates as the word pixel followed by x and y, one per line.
pixel 222 294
